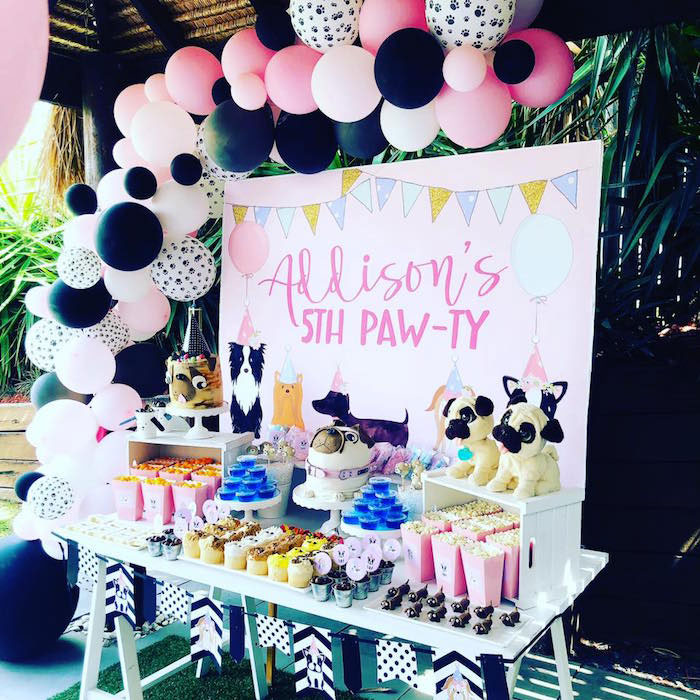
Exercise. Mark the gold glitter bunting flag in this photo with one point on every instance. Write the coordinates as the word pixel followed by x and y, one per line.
pixel 239 213
pixel 438 199
pixel 311 212
pixel 532 192
pixel 349 179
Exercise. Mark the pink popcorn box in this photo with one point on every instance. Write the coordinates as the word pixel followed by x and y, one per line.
pixel 476 535
pixel 418 554
pixel 128 498
pixel 184 495
pixel 144 473
pixel 158 501
pixel 212 483
pixel 440 525
pixel 484 577
pixel 175 475
pixel 511 568
pixel 449 570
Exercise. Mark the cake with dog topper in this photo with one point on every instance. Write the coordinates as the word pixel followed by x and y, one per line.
pixel 193 376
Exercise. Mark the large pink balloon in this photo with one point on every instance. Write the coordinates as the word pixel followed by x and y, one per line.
pixel 63 427
pixel 244 53
pixel 80 231
pixel 128 102
pixel 111 457
pixel 125 156
pixel 37 301
pixel 85 365
pixel 162 130
pixel 554 69
pixel 99 499
pixel 146 316
pixel 156 90
pixel 380 18
pixel 248 91
pixel 190 75
pixel 248 247
pixel 477 118
pixel 24 524
pixel 288 79
pixel 24 46
pixel 114 405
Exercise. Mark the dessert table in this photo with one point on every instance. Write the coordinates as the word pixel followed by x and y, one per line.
pixel 497 650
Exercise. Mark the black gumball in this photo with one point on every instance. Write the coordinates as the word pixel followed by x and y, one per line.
pixel 274 28
pixel 408 68
pixel 142 367
pixel 186 169
pixel 81 199
pixel 48 388
pixel 221 91
pixel 363 138
pixel 306 142
pixel 140 182
pixel 79 308
pixel 513 61
pixel 23 482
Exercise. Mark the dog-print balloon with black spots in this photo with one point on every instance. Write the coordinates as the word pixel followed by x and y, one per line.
pixel 50 497
pixel 323 24
pixel 111 330
pixel 44 340
pixel 480 23
pixel 79 267
pixel 184 270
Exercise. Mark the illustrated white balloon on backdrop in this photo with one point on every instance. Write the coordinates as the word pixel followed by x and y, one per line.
pixel 541 254
pixel 128 286
pixel 179 208
pixel 184 270
pixel 50 497
pixel 111 330
pixel 44 340
pixel 79 267
pixel 323 25
pixel 409 129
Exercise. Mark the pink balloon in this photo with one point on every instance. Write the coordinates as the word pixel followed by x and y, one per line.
pixel 114 405
pixel 244 53
pixel 125 156
pixel 85 365
pixel 248 247
pixel 146 316
pixel 477 118
pixel 111 457
pixel 156 90
pixel 464 68
pixel 99 499
pixel 24 46
pixel 37 301
pixel 62 427
pixel 380 18
pixel 288 79
pixel 128 102
pixel 190 75
pixel 554 69
pixel 24 525
pixel 248 91
pixel 80 231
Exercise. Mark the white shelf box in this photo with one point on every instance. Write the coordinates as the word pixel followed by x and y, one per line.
pixel 550 533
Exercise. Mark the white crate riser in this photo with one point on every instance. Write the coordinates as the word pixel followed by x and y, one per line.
pixel 550 533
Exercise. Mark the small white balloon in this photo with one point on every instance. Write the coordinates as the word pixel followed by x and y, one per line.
pixel 179 208
pixel 37 301
pixel 110 189
pixel 162 130
pixel 409 129
pixel 79 267
pixel 185 270
pixel 80 231
pixel 128 286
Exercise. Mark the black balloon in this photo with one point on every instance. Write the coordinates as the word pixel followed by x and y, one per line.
pixel 23 482
pixel 408 68
pixel 514 61
pixel 221 91
pixel 48 388
pixel 186 169
pixel 140 182
pixel 237 139
pixel 364 138
pixel 129 236
pixel 142 367
pixel 274 28
pixel 81 199
pixel 40 603
pixel 306 142
pixel 79 308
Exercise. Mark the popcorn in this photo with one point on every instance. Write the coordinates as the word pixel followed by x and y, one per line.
pixel 420 528
pixel 481 549
pixel 451 538
pixel 209 471
pixel 188 484
pixel 473 508
pixel 126 478
pixel 509 538
pixel 155 482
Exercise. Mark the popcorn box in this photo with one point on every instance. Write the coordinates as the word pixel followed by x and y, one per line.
pixel 145 471
pixel 418 554
pixel 449 570
pixel 158 501
pixel 440 524
pixel 190 492
pixel 473 529
pixel 511 564
pixel 483 568
pixel 128 498
pixel 175 474
pixel 212 480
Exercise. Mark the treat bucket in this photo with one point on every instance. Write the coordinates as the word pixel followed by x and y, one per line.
pixel 449 571
pixel 157 502
pixel 128 498
pixel 343 599
pixel 282 472
pixel 322 591
pixel 361 589
pixel 418 555
pixel 184 495
pixel 172 550
pixel 375 579
pixel 145 473
pixel 387 573
pixel 484 576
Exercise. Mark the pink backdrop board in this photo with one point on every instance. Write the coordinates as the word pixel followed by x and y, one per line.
pixel 395 272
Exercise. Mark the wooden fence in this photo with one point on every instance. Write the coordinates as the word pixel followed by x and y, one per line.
pixel 16 454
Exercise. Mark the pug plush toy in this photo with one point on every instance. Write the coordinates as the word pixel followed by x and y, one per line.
pixel 469 421
pixel 526 458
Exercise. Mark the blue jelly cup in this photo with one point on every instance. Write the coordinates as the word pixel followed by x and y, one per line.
pixel 369 521
pixel 233 481
pixel 388 498
pixel 380 484
pixel 352 517
pixel 245 495
pixel 362 506
pixel 396 509
pixel 266 491
pixel 253 482
pixel 225 495
pixel 247 461
pixel 237 472
pixel 394 522
pixel 368 493
pixel 379 510
pixel 256 470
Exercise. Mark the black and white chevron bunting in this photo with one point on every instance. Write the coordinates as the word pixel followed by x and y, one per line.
pixel 119 593
pixel 206 628
pixel 313 660
pixel 456 676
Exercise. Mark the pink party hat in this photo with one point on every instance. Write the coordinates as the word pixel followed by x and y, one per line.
pixel 534 375
pixel 454 386
pixel 338 384
pixel 246 331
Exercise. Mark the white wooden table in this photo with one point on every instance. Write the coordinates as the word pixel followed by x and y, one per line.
pixel 253 588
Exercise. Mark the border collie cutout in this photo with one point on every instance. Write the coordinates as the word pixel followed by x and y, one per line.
pixel 247 365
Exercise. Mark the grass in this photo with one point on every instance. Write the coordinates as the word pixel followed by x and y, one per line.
pixel 235 680
pixel 8 510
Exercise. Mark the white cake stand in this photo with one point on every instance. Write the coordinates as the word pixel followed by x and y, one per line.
pixel 336 508
pixel 357 531
pixel 249 506
pixel 197 431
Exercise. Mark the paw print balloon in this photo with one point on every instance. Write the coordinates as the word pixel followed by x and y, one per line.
pixel 480 23
pixel 50 497
pixel 323 24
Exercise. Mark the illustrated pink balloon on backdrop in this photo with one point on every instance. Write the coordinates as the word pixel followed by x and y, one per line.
pixel 146 316
pixel 526 12
pixel 477 118
pixel 243 53
pixel 37 301
pixel 162 130
pixel 248 91
pixel 248 247
pixel 464 68
pixel 49 431
pixel 125 156
pixel 85 365
pixel 156 90
pixel 190 75
pixel 553 71
pixel 128 102
pixel 288 79
pixel 114 405
pixel 380 18
pixel 80 231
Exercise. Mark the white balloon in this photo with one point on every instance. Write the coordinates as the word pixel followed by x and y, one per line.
pixel 110 189
pixel 541 254
pixel 80 231
pixel 128 286
pixel 179 208
pixel 37 300
pixel 162 130
pixel 62 427
pixel 79 267
pixel 409 129
pixel 85 365
pixel 213 189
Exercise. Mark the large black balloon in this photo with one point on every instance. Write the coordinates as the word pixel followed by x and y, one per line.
pixel 79 308
pixel 142 367
pixel 39 603
pixel 81 199
pixel 237 139
pixel 364 138
pixel 514 61
pixel 129 236
pixel 186 169
pixel 140 182
pixel 274 28
pixel 408 68
pixel 24 481
pixel 221 91
pixel 306 142
pixel 48 388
